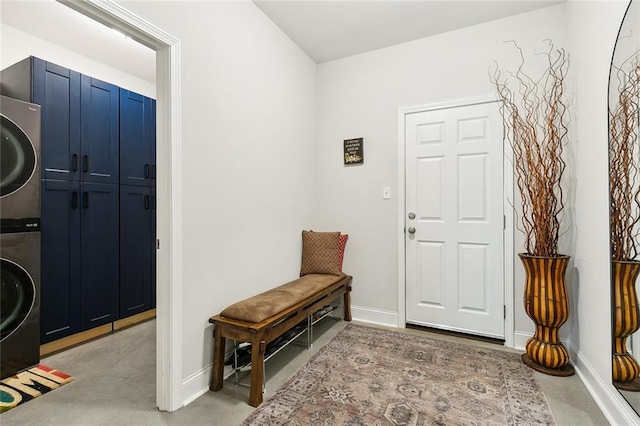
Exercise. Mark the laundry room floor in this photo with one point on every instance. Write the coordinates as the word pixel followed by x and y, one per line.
pixel 115 385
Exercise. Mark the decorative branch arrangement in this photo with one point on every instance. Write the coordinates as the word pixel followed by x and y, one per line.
pixel 624 187
pixel 535 125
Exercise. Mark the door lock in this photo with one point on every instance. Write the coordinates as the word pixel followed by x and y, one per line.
pixel 411 230
pixel 412 215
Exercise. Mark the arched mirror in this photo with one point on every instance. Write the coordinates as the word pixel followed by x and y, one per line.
pixel 624 184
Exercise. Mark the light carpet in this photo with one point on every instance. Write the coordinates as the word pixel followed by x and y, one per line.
pixel 367 376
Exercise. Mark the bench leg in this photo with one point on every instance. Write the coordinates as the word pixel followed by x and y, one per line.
pixel 218 359
pixel 347 305
pixel 257 372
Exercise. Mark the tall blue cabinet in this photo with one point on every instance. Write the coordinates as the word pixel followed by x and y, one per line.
pixel 98 175
pixel 137 203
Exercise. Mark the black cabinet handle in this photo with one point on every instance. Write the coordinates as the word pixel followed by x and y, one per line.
pixel 153 171
pixel 85 200
pixel 146 171
pixel 74 200
pixel 74 163
pixel 146 202
pixel 85 163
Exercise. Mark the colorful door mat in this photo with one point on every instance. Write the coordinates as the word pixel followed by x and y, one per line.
pixel 30 384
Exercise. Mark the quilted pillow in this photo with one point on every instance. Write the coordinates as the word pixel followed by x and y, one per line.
pixel 341 246
pixel 320 253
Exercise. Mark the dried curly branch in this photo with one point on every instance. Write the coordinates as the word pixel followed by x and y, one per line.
pixel 536 130
pixel 624 188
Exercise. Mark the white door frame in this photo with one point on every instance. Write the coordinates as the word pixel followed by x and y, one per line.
pixel 507 209
pixel 168 182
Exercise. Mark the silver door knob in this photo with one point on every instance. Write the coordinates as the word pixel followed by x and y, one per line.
pixel 412 215
pixel 411 230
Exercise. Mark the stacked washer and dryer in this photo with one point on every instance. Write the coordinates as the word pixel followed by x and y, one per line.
pixel 19 235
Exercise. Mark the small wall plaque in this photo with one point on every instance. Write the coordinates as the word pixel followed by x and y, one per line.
pixel 353 151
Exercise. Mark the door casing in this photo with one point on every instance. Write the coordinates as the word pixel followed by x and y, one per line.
pixel 169 182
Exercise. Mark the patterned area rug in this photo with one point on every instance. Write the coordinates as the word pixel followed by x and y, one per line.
pixel 366 376
pixel 30 384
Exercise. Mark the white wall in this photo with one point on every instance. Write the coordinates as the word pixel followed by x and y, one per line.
pixel 248 156
pixel 360 96
pixel 16 45
pixel 590 288
pixel 253 175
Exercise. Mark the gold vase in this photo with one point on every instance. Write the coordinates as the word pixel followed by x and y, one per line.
pixel 625 322
pixel 546 303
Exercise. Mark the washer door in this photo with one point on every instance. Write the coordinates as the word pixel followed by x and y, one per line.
pixel 17 297
pixel 17 157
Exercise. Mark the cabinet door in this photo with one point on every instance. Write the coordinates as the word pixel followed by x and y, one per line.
pixel 57 90
pixel 135 249
pixel 99 131
pixel 153 246
pixel 99 257
pixel 135 138
pixel 60 251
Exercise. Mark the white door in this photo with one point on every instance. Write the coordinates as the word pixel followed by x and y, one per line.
pixel 454 219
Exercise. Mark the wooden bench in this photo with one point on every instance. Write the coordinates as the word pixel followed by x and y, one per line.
pixel 285 306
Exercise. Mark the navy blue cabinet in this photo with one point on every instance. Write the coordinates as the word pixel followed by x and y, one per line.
pixel 136 249
pixel 100 254
pixel 80 257
pixel 137 139
pixel 98 196
pixel 137 203
pixel 80 119
pixel 61 282
pixel 57 90
pixel 99 136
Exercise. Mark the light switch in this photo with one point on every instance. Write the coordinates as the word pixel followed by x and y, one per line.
pixel 386 193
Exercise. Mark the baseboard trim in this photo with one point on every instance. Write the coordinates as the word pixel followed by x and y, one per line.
pixel 85 336
pixel 134 319
pixel 520 339
pixel 374 316
pixel 75 339
pixel 197 384
pixel 611 403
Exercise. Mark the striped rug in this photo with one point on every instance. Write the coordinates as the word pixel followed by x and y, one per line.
pixel 30 384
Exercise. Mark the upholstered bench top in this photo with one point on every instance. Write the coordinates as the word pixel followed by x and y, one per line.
pixel 264 305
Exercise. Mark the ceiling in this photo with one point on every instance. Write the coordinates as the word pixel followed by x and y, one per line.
pixel 324 29
pixel 328 30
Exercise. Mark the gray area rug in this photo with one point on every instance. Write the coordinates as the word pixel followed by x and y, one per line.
pixel 367 376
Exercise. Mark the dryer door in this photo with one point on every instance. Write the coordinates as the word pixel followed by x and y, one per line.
pixel 17 297
pixel 17 157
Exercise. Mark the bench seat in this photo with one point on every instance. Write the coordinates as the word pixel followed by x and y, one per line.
pixel 262 318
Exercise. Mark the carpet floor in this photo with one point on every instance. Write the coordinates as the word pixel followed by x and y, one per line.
pixel 368 376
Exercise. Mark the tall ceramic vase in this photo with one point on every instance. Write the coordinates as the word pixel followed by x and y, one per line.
pixel 546 303
pixel 625 322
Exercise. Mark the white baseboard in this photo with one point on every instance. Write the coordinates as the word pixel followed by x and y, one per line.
pixel 611 403
pixel 374 316
pixel 196 385
pixel 520 339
